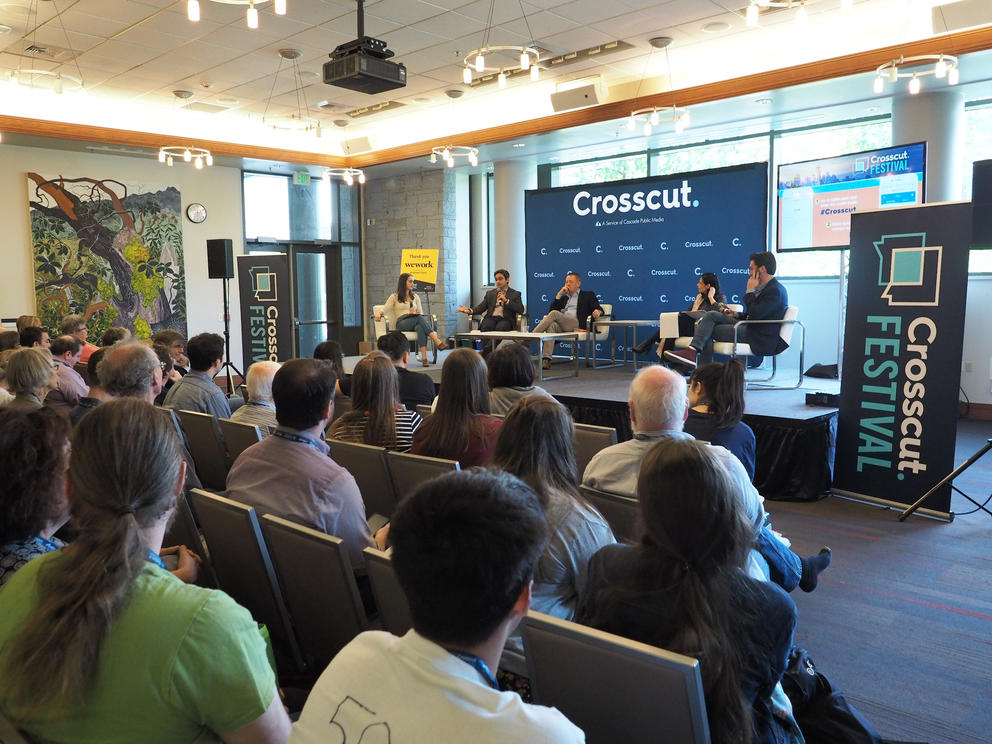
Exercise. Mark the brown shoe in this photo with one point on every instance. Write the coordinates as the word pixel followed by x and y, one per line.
pixel 441 346
pixel 546 363
pixel 684 357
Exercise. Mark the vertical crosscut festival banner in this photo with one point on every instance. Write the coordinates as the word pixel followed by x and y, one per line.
pixel 906 291
pixel 266 315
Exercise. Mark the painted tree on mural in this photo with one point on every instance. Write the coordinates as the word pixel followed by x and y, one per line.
pixel 114 257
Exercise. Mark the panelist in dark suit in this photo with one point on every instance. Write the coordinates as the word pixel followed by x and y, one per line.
pixel 766 299
pixel 569 311
pixel 501 305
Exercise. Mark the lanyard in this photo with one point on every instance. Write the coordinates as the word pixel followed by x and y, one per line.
pixel 478 664
pixel 47 545
pixel 289 436
pixel 153 557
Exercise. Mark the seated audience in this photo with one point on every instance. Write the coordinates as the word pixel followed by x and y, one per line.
pixel 176 343
pixel 9 340
pixel 197 391
pixel 658 407
pixel 168 365
pixel 115 334
pixel 130 370
pixel 5 395
pixel 716 406
pixel 460 427
pixel 289 473
pixel 35 336
pixel 330 351
pixel 511 377
pixel 99 643
pixel 416 388
pixel 535 443
pixel 34 453
pixel 684 589
pixel 31 375
pixel 464 549
pixel 27 321
pixel 260 408
pixel 96 395
pixel 70 385
pixel 377 417
pixel 75 325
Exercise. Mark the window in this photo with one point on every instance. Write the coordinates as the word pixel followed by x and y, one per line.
pixel 709 155
pixel 601 170
pixel 266 202
pixel 978 146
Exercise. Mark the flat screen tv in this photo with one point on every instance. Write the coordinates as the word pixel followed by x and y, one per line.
pixel 981 199
pixel 816 197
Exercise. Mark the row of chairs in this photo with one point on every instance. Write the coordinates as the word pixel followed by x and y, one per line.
pixel 214 444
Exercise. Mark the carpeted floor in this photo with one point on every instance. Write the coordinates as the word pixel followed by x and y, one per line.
pixel 902 619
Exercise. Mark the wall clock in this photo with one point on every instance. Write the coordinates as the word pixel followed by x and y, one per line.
pixel 196 213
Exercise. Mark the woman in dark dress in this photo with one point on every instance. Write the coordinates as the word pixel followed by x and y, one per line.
pixel 683 589
pixel 709 297
pixel 716 406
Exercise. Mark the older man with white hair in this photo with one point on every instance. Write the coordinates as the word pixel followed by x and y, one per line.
pixel 260 409
pixel 659 404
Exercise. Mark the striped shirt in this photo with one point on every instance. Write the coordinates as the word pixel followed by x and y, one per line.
pixel 407 423
pixel 258 412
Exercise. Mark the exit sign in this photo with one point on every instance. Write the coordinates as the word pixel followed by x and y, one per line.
pixel 301 178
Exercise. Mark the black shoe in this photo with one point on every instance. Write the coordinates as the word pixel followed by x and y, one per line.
pixel 642 348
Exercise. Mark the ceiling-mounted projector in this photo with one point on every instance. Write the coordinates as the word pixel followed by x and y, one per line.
pixel 363 64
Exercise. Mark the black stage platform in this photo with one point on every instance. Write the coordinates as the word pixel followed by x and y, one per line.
pixel 795 442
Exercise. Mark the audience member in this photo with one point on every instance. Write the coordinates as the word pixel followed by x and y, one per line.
pixel 716 406
pixel 34 453
pixel 115 334
pixel 197 391
pixel 683 589
pixel 330 351
pixel 75 325
pixel 35 336
pixel 658 407
pixel 260 408
pixel 460 427
pixel 9 340
pixel 435 684
pixel 168 366
pixel 27 321
pixel 176 342
pixel 70 386
pixel 511 377
pixel 289 473
pixel 31 375
pixel 130 370
pixel 536 444
pixel 377 417
pixel 99 643
pixel 5 395
pixel 416 388
pixel 96 395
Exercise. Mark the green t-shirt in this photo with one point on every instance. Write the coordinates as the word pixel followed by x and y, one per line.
pixel 178 665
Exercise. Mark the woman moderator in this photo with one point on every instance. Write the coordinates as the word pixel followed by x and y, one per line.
pixel 99 643
pixel 683 589
pixel 709 297
pixel 404 307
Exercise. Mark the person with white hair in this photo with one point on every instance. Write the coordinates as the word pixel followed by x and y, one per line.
pixel 260 409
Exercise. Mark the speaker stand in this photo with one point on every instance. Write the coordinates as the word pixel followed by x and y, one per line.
pixel 228 366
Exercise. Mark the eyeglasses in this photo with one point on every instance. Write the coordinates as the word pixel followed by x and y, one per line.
pixel 164 365
pixel 81 329
pixel 55 365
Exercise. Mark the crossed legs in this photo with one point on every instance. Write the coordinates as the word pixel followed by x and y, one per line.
pixel 555 322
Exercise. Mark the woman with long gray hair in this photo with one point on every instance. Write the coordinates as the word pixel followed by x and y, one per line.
pixel 98 642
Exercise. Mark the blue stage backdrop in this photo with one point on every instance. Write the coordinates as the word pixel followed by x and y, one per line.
pixel 642 244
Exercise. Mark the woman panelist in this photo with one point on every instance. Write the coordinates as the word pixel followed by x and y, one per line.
pixel 403 306
pixel 709 297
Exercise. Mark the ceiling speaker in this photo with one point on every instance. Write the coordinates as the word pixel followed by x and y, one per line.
pixel 573 98
pixel 355 145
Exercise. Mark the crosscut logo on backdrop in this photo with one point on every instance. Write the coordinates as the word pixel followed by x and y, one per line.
pixel 262 318
pixel 908 277
pixel 546 252
pixel 584 203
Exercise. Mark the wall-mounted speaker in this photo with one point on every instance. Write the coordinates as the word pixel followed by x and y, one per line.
pixel 573 98
pixel 355 145
pixel 220 258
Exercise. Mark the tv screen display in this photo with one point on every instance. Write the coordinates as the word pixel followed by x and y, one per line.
pixel 816 197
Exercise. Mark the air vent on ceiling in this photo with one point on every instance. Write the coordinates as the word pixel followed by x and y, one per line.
pixel 375 109
pixel 44 51
pixel 206 108
pixel 561 60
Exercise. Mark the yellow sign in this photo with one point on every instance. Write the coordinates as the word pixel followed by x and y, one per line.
pixel 422 263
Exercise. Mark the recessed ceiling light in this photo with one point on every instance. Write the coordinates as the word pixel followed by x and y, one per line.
pixel 454 93
pixel 421 100
pixel 4 29
pixel 763 101
pixel 716 27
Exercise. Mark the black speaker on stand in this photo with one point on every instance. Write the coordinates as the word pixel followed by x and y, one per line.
pixel 220 265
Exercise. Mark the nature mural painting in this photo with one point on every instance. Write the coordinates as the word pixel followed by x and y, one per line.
pixel 108 252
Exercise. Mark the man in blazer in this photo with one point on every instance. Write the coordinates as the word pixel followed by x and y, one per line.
pixel 501 305
pixel 766 299
pixel 569 311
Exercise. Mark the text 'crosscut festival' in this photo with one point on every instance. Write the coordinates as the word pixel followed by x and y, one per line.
pixel 585 203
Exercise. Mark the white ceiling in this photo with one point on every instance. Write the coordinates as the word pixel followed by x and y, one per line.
pixel 132 54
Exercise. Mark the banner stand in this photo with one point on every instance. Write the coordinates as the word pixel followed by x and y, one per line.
pixel 874 501
pixel 949 480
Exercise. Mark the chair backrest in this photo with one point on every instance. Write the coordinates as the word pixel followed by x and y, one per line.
pixel 424 409
pixel 238 437
pixel 394 610
pixel 170 415
pixel 637 693
pixel 619 512
pixel 319 585
pixel 604 333
pixel 409 471
pixel 368 465
pixel 184 531
pixel 342 404
pixel 589 440
pixel 206 445
pixel 382 325
pixel 9 734
pixel 243 565
pixel 785 330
